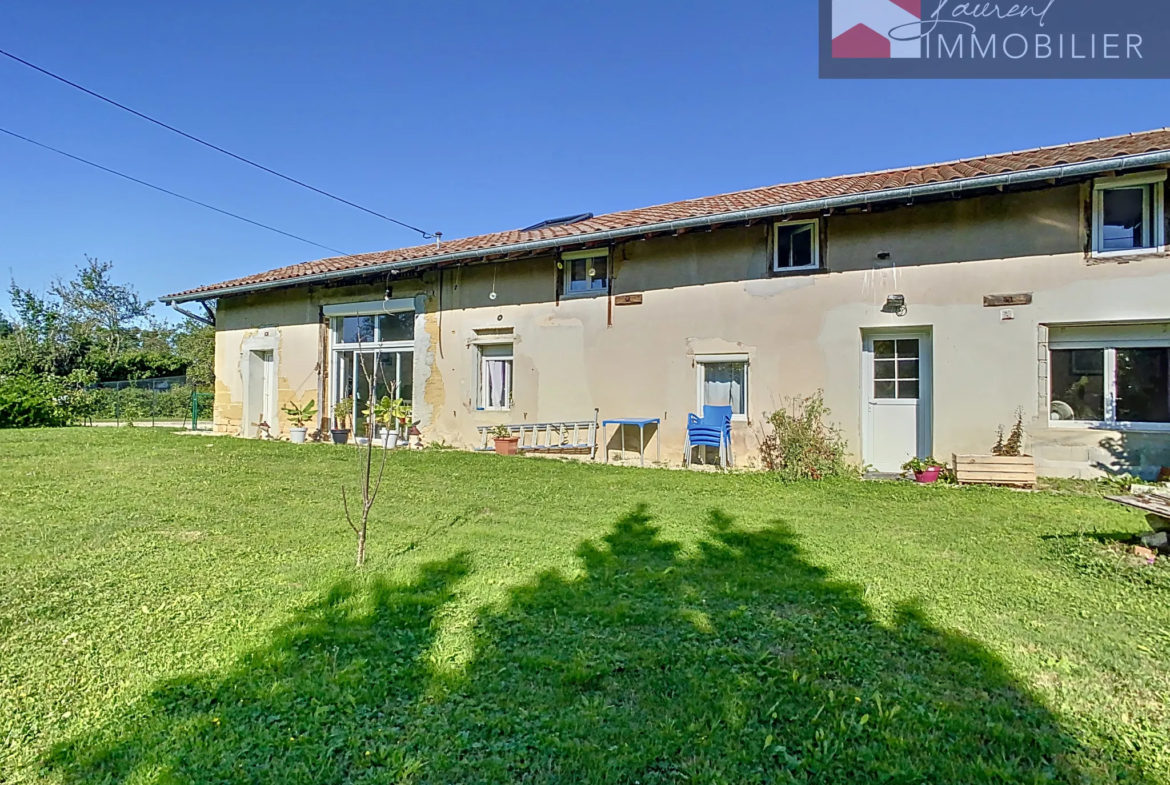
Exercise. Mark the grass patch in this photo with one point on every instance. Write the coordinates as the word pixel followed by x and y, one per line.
pixel 183 609
pixel 1110 557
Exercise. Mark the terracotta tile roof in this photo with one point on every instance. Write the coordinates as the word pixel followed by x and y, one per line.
pixel 771 196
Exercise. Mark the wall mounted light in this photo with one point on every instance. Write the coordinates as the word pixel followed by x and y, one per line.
pixel 896 304
pixel 883 255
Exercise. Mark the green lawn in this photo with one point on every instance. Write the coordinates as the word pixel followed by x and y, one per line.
pixel 184 609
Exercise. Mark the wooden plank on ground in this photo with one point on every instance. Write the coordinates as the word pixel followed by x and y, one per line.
pixel 1144 503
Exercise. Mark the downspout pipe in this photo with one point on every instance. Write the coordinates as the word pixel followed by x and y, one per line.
pixel 907 193
pixel 206 320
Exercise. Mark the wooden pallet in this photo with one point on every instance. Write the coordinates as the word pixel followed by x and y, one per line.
pixel 1015 470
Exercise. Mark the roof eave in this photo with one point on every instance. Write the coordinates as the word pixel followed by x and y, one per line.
pixel 1135 161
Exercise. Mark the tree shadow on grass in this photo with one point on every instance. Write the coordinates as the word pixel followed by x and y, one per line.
pixel 740 663
pixel 313 707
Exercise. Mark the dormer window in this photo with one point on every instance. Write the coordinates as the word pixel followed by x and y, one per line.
pixel 797 246
pixel 1128 214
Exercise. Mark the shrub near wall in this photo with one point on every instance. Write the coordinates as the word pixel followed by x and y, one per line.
pixel 800 445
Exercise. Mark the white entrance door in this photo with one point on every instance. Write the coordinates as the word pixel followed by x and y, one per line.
pixel 897 412
pixel 268 406
pixel 260 393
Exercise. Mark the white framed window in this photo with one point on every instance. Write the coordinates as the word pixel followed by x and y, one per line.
pixel 1110 377
pixel 495 376
pixel 1129 214
pixel 723 381
pixel 797 246
pixel 584 273
pixel 371 341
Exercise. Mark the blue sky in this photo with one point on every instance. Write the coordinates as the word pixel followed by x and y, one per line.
pixel 462 117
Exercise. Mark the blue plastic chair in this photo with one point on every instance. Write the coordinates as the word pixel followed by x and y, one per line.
pixel 713 429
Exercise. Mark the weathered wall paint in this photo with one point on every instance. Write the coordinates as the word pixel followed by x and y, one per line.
pixel 288 323
pixel 711 293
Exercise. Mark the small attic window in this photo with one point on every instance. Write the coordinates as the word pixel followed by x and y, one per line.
pixel 584 273
pixel 564 220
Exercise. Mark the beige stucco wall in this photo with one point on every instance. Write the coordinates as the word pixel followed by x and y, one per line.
pixel 711 293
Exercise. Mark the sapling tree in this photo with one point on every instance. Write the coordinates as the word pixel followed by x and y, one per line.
pixel 369 482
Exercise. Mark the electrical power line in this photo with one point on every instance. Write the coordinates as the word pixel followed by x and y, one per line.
pixel 148 118
pixel 171 193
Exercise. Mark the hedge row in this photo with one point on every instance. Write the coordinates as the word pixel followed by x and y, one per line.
pixel 28 401
pixel 137 404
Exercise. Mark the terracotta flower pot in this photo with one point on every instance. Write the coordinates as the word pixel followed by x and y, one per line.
pixel 508 445
pixel 928 476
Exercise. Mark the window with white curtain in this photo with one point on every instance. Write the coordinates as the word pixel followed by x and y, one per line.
pixel 495 376
pixel 723 381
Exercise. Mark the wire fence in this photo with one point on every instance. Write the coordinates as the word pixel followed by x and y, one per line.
pixel 166 400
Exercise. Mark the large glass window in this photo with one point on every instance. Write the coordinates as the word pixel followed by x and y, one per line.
pixel 1143 391
pixel 396 326
pixel 374 328
pixel 1078 384
pixel 724 383
pixel 357 329
pixel 373 358
pixel 1110 384
pixel 390 372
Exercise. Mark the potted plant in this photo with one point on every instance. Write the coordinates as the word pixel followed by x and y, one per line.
pixel 299 415
pixel 505 443
pixel 384 414
pixel 1006 465
pixel 925 470
pixel 401 415
pixel 341 413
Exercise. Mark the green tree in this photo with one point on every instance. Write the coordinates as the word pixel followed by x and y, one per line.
pixel 108 313
pixel 91 322
pixel 43 340
pixel 195 344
